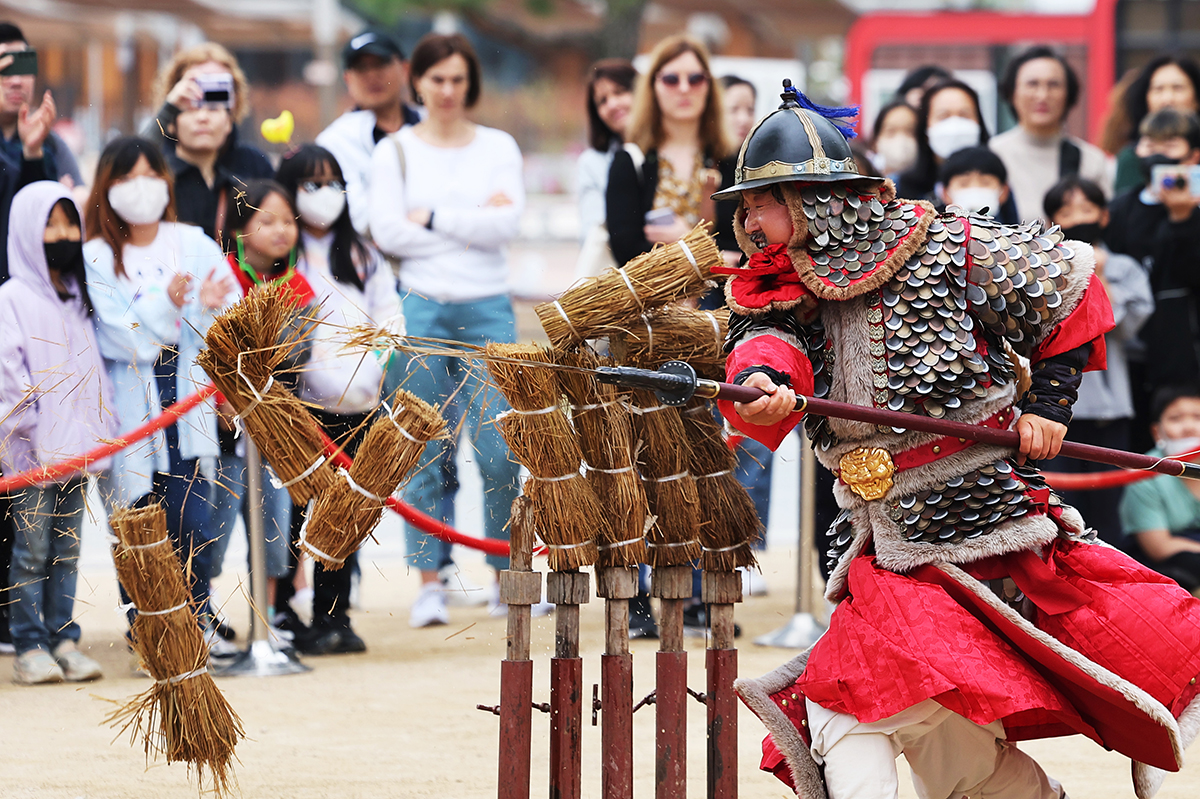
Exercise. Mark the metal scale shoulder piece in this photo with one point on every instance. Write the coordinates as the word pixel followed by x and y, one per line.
pixel 1016 280
pixel 841 536
pixel 855 242
pixel 935 356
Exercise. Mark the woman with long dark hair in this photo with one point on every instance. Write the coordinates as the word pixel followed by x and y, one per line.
pixel 609 103
pixel 679 131
pixel 355 288
pixel 156 285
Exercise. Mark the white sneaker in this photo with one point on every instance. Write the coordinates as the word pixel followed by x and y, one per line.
pixel 753 582
pixel 76 666
pixel 218 647
pixel 430 607
pixel 36 667
pixel 458 588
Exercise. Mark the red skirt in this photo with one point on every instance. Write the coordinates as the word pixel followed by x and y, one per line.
pixel 901 639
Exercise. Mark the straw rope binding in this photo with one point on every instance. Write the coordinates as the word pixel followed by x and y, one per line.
pixel 182 715
pixel 663 456
pixel 602 305
pixel 566 512
pixel 675 333
pixel 247 347
pixel 346 512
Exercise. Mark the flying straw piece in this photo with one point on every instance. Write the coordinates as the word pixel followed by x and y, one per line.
pixel 348 511
pixel 675 333
pixel 565 510
pixel 249 346
pixel 729 521
pixel 601 422
pixel 602 305
pixel 183 715
pixel 662 459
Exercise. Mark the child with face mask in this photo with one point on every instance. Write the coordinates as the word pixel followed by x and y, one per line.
pixel 1104 411
pixel 1161 515
pixel 311 246
pixel 975 180
pixel 157 285
pixel 55 403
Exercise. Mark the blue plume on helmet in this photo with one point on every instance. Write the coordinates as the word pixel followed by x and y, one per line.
pixel 834 113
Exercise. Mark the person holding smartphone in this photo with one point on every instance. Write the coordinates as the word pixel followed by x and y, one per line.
pixel 678 128
pixel 205 95
pixel 18 76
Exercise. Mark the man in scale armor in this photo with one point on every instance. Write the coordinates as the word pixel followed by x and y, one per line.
pixel 975 609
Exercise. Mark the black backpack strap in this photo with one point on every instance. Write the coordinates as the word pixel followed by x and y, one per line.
pixel 1069 158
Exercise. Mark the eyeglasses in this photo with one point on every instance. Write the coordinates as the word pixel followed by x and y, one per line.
pixel 673 79
pixel 310 186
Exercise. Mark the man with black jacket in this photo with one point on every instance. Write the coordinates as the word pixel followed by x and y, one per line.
pixel 199 136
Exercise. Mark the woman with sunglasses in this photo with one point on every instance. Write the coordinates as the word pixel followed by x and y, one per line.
pixel 678 126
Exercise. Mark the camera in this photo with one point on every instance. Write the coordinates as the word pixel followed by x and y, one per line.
pixel 217 90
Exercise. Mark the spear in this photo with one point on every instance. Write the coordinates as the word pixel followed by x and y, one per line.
pixel 675 382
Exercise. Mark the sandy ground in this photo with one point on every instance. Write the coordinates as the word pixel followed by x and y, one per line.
pixel 400 720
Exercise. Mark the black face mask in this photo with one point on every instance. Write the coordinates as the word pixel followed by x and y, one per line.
pixel 1150 161
pixel 1090 232
pixel 66 258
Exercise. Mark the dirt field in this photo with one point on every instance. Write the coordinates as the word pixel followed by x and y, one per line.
pixel 399 720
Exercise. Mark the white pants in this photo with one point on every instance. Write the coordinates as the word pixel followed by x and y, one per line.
pixel 951 757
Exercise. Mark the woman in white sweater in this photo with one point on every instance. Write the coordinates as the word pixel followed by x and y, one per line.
pixel 446 197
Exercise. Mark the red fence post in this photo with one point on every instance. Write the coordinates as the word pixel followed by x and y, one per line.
pixel 673 585
pixel 520 587
pixel 720 591
pixel 617 585
pixel 567 590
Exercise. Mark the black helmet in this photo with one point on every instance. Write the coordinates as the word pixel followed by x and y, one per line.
pixel 799 141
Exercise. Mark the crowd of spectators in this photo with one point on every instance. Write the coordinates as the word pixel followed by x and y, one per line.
pixel 398 216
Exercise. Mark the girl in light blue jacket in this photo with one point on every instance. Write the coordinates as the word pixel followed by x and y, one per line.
pixel 157 286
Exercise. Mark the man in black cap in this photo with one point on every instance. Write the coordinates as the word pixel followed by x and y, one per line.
pixel 376 75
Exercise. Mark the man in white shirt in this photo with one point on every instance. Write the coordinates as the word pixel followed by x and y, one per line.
pixel 376 75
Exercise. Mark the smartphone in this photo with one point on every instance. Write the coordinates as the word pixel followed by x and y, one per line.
pixel 24 62
pixel 660 216
pixel 217 89
pixel 1176 176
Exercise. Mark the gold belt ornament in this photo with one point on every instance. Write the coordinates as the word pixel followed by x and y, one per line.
pixel 868 471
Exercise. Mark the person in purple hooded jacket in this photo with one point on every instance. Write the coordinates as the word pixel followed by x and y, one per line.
pixel 55 402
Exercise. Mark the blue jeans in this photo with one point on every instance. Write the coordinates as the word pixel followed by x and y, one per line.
pixel 47 524
pixel 228 494
pixel 754 472
pixel 433 379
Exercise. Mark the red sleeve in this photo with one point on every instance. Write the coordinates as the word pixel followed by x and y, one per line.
pixel 772 351
pixel 774 763
pixel 1090 320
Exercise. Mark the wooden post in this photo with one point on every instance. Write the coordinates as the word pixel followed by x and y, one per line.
pixel 672 585
pixel 567 590
pixel 720 590
pixel 617 585
pixel 520 587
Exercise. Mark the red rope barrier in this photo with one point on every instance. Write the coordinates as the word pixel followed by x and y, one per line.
pixel 1095 481
pixel 80 462
pixel 170 415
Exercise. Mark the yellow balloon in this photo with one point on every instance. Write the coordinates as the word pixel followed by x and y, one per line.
pixel 279 130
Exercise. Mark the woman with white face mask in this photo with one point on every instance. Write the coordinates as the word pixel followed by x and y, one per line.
pixel 353 284
pixel 156 286
pixel 948 120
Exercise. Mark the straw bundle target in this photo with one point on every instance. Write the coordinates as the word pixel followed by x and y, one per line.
pixel 248 346
pixel 565 510
pixel 182 715
pixel 730 523
pixel 348 511
pixel 662 459
pixel 602 424
pixel 602 305
pixel 676 333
